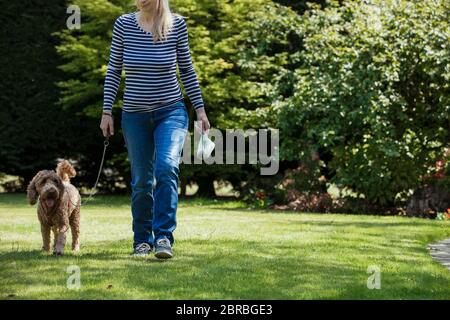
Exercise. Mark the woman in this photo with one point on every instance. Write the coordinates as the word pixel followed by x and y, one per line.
pixel 150 43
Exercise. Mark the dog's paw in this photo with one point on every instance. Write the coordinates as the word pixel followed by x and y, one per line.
pixel 57 253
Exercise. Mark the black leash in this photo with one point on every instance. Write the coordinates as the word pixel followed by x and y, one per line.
pixel 105 143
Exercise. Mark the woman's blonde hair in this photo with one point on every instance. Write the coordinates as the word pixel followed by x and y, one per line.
pixel 162 18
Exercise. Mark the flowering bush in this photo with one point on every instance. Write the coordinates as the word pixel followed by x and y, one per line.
pixel 371 89
pixel 444 215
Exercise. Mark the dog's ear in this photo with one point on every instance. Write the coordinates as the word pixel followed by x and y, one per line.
pixel 59 184
pixel 31 189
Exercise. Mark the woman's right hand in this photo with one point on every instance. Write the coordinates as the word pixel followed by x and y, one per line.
pixel 107 125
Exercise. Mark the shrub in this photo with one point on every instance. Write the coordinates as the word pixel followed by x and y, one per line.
pixel 372 90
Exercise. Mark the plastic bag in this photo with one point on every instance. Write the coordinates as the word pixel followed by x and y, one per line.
pixel 205 145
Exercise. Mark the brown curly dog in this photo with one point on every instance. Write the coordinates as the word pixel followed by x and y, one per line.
pixel 59 205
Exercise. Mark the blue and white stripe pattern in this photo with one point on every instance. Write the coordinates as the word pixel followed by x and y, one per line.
pixel 150 68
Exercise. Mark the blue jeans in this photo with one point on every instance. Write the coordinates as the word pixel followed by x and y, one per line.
pixel 154 141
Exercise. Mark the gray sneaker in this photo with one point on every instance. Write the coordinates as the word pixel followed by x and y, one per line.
pixel 142 249
pixel 163 250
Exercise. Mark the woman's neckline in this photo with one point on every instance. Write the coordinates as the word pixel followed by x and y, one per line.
pixel 136 22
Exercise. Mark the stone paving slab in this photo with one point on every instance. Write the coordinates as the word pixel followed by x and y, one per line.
pixel 441 252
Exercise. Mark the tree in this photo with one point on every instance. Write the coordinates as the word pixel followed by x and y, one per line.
pixel 34 133
pixel 215 43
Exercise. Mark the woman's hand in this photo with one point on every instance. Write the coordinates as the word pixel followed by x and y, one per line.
pixel 107 124
pixel 201 116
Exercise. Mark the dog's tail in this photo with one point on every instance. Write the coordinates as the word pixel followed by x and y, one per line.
pixel 65 170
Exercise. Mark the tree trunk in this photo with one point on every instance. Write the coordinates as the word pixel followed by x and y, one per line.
pixel 183 188
pixel 205 187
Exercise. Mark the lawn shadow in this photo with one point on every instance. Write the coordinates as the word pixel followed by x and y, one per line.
pixel 212 269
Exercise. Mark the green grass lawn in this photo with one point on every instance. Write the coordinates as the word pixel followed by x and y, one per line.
pixel 224 251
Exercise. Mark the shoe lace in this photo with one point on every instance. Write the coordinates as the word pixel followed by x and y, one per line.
pixel 142 247
pixel 163 242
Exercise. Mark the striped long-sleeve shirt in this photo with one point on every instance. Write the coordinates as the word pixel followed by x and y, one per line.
pixel 150 68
